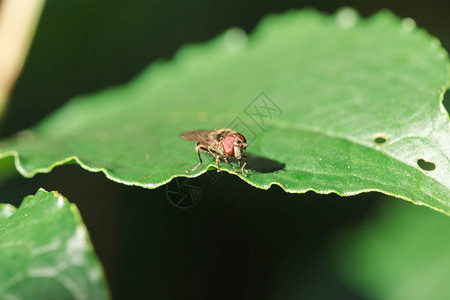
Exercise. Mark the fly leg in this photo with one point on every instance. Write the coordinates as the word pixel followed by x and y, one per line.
pixel 226 160
pixel 217 156
pixel 218 164
pixel 197 148
pixel 243 166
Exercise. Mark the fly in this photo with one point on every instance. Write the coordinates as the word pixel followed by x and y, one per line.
pixel 222 144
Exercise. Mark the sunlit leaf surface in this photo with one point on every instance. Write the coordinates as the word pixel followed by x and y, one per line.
pixel 328 103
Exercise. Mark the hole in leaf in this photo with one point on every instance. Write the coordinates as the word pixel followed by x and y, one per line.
pixel 426 165
pixel 446 101
pixel 380 139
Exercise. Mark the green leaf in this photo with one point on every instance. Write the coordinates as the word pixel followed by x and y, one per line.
pixel 45 252
pixel 401 253
pixel 336 83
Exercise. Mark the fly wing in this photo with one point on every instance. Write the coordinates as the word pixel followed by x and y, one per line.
pixel 200 136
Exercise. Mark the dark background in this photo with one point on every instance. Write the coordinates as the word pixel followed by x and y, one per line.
pixel 238 242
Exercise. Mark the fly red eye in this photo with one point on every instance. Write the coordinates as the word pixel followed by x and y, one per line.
pixel 228 145
pixel 240 136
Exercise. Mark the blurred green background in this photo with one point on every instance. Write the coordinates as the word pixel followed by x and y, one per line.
pixel 238 242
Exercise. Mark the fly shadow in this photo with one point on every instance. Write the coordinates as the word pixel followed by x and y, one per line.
pixel 261 164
